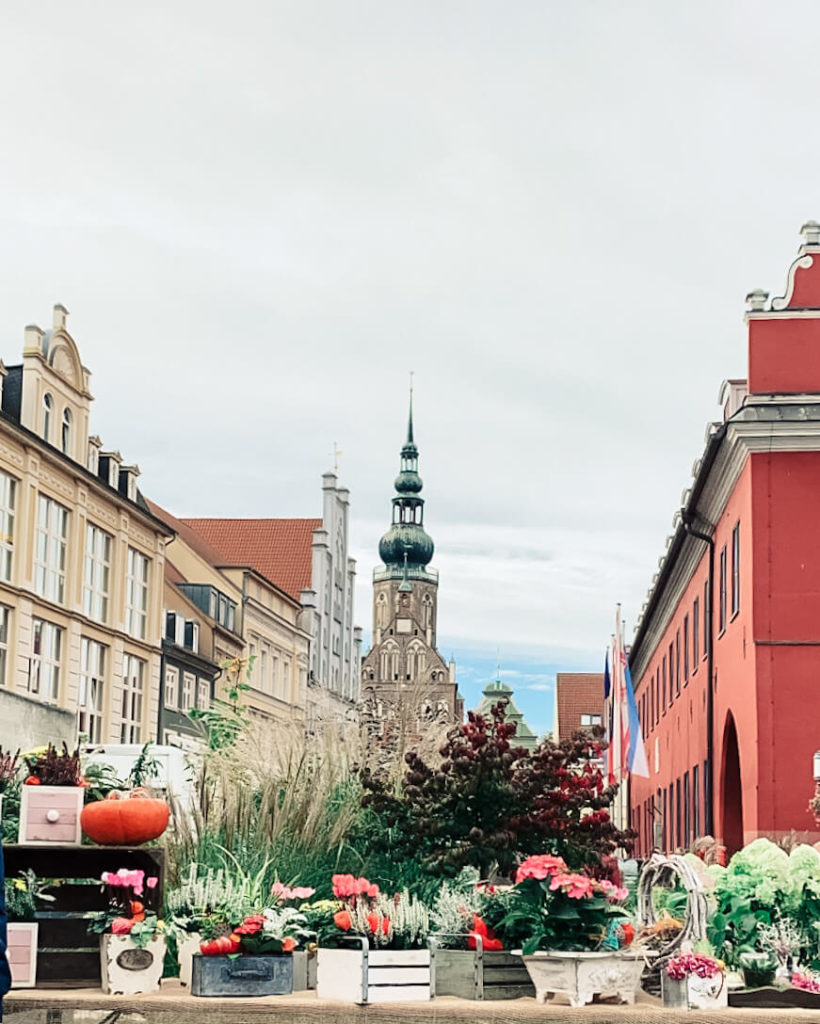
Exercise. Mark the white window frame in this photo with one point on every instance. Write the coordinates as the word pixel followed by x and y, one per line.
pixel 5 623
pixel 48 409
pixel 136 594
pixel 589 723
pixel 91 696
pixel 133 698
pixel 45 661
pixel 50 549
pixel 203 694
pixel 188 691
pixel 65 431
pixel 171 695
pixel 8 501
pixel 97 572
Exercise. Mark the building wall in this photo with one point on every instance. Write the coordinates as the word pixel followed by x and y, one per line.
pixel 579 697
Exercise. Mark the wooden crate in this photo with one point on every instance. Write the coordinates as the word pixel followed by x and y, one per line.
pixel 480 974
pixel 68 957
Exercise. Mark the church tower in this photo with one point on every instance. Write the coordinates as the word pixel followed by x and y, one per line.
pixel 403 664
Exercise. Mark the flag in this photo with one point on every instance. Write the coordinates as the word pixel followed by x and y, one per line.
pixel 636 753
pixel 608 716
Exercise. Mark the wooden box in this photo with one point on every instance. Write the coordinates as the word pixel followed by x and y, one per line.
pixel 480 974
pixel 51 815
pixel 374 975
pixel 22 953
pixel 268 975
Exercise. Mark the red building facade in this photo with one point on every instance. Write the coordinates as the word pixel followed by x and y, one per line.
pixel 726 656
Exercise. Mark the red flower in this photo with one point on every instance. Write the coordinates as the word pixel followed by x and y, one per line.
pixel 121 925
pixel 32 780
pixel 373 922
pixel 343 920
pixel 386 925
pixel 487 935
pixel 288 944
pixel 629 932
pixel 251 925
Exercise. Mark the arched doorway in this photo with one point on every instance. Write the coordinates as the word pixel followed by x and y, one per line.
pixel 732 791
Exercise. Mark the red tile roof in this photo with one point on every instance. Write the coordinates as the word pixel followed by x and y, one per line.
pixel 279 549
pixel 193 539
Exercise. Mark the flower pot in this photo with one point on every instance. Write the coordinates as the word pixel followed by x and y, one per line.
pixel 480 974
pixel 22 953
pixel 304 969
pixel 580 976
pixel 694 993
pixel 186 947
pixel 126 969
pixel 374 975
pixel 50 815
pixel 269 974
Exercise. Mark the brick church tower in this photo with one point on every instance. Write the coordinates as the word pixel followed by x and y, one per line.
pixel 405 681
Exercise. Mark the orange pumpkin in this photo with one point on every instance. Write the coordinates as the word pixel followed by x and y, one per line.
pixel 125 822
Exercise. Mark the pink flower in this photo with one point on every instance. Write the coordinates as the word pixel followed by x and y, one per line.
pixel 345 886
pixel 540 866
pixel 121 925
pixel 151 882
pixel 577 887
pixel 301 892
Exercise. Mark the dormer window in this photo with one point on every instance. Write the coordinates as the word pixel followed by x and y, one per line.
pixel 48 405
pixel 65 433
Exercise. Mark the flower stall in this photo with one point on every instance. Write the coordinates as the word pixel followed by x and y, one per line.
pixel 372 947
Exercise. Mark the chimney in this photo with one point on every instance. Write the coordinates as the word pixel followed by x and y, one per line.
pixel 32 340
pixel 60 314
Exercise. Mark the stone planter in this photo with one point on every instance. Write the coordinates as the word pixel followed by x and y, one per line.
pixel 374 975
pixel 580 976
pixel 50 815
pixel 127 970
pixel 304 969
pixel 479 973
pixel 187 945
pixel 22 953
pixel 694 993
pixel 245 975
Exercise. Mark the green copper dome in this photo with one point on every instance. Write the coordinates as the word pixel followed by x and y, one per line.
pixel 407 542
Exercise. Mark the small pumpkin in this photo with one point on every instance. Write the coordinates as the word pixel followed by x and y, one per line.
pixel 125 822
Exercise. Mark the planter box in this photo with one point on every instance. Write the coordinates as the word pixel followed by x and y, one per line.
pixel 22 953
pixel 304 969
pixel 127 970
pixel 267 975
pixel 186 947
pixel 480 974
pixel 694 993
pixel 580 976
pixel 50 815
pixel 374 975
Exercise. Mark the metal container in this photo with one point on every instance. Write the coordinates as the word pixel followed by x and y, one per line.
pixel 268 975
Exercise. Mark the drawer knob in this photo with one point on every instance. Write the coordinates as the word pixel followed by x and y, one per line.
pixel 52 815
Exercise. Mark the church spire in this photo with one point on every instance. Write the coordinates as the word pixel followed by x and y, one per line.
pixel 406 545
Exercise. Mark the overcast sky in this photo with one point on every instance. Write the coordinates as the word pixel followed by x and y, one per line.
pixel 262 215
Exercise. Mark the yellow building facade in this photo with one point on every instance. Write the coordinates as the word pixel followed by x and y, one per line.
pixel 81 561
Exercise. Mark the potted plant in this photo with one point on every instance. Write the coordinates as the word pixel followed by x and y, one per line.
pixel 255 959
pixel 22 894
pixel 304 960
pixel 574 934
pixel 470 959
pixel 132 943
pixel 390 961
pixel 694 981
pixel 51 800
pixel 9 767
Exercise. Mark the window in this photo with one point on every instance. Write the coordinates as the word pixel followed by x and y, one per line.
pixel 677 663
pixel 191 635
pixel 136 594
pixel 48 405
pixel 8 496
pixel 706 613
pixel 695 635
pixel 722 598
pixel 92 681
pixel 736 569
pixel 671 673
pixel 263 670
pixel 44 664
pixel 588 721
pixel 286 678
pixel 666 837
pixel 678 820
pixel 664 684
pixel 171 688
pixel 687 812
pixel 97 573
pixel 203 694
pixel 685 650
pixel 65 432
pixel 133 675
pixel 652 707
pixel 5 619
pixel 705 794
pixel 696 801
pixel 49 555
pixel 188 687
